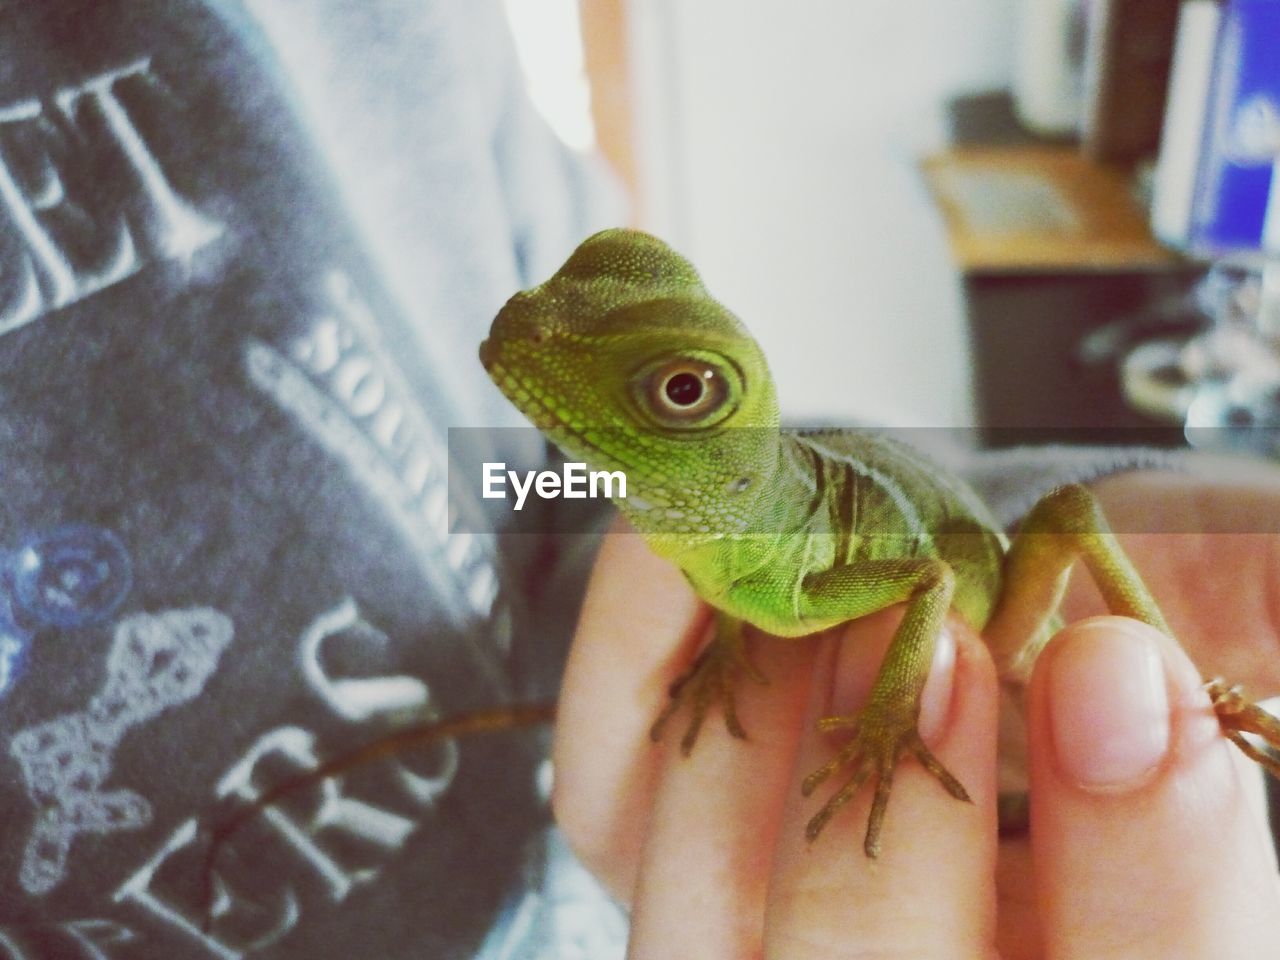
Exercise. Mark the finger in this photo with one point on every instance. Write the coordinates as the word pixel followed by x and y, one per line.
pixel 1018 922
pixel 639 625
pixel 1148 840
pixel 931 892
pixel 1181 531
pixel 709 849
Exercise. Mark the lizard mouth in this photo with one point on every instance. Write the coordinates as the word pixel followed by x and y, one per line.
pixel 488 353
pixel 540 409
pixel 520 391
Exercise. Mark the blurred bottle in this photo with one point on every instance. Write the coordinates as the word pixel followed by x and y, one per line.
pixel 1049 69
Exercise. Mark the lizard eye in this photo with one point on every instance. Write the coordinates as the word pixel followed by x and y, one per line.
pixel 684 390
pixel 688 392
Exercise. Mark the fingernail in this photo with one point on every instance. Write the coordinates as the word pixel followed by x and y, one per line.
pixel 1108 705
pixel 857 665
pixel 935 700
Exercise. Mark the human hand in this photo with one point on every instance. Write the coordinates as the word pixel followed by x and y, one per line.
pixel 709 851
pixel 1208 545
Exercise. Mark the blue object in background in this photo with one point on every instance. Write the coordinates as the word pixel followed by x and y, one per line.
pixel 1242 140
pixel 1216 184
pixel 69 577
pixel 14 644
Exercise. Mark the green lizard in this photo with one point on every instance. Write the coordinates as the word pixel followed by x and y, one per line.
pixel 625 361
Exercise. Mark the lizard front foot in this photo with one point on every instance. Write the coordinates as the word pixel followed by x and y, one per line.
pixel 881 737
pixel 1238 715
pixel 711 678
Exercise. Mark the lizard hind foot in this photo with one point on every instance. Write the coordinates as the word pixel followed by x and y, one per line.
pixel 712 678
pixel 1238 715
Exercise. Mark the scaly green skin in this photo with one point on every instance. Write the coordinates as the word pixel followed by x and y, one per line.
pixel 625 361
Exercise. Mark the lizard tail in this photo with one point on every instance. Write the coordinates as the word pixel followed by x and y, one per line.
pixel 492 720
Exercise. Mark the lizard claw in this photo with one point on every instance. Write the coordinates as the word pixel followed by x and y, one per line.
pixel 1238 715
pixel 711 678
pixel 875 748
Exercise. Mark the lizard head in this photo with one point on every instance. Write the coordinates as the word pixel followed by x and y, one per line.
pixel 625 361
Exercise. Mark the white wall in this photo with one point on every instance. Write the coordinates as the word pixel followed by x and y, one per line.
pixel 780 148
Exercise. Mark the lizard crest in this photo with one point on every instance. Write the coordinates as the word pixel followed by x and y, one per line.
pixel 626 362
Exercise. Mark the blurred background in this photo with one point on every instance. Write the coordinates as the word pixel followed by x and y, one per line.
pixel 1042 219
